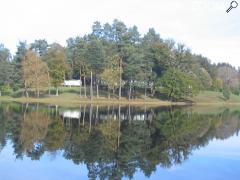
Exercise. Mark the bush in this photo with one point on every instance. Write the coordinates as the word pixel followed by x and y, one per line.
pixel 235 91
pixel 6 90
pixel 226 93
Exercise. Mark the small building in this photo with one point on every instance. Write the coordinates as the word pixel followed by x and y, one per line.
pixel 72 83
pixel 70 114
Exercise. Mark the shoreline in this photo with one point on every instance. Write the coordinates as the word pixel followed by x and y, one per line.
pixel 74 102
pixel 61 101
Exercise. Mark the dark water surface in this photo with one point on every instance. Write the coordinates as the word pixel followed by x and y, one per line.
pixel 91 142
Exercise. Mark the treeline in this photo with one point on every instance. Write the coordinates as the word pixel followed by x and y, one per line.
pixel 118 59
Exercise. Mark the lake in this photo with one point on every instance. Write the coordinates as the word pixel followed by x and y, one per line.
pixel 117 142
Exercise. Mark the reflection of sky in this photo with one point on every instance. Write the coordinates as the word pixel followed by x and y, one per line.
pixel 219 160
pixel 47 168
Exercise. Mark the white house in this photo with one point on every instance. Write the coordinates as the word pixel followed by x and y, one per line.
pixel 73 82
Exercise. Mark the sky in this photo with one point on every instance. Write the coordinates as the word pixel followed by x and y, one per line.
pixel 203 25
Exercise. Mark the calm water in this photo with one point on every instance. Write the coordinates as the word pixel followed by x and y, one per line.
pixel 49 142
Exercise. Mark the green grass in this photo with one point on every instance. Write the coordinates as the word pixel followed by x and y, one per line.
pixel 70 97
pixel 211 97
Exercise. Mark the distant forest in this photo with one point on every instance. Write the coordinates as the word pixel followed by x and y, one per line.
pixel 117 59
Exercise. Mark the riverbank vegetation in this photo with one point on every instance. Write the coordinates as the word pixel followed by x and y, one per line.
pixel 114 61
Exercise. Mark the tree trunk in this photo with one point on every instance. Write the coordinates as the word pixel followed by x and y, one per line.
pixel 84 112
pixel 56 110
pixel 56 91
pixel 120 80
pixel 25 89
pixel 91 87
pixel 130 90
pixel 80 115
pixel 49 85
pixel 26 93
pixel 85 89
pixel 119 124
pixel 38 94
pixel 97 89
pixel 90 118
pixel 170 95
pixel 25 111
pixel 145 93
pixel 97 114
pixel 129 113
pixel 108 111
pixel 109 94
pixel 80 81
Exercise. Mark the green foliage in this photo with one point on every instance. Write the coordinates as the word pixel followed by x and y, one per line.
pixel 5 54
pixel 6 90
pixel 20 55
pixel 56 59
pixel 111 73
pixel 145 59
pixel 6 73
pixel 235 91
pixel 40 47
pixel 94 55
pixel 217 84
pixel 176 84
pixel 226 92
pixel 204 79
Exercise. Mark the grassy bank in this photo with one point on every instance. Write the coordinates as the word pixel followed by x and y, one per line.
pixel 214 98
pixel 72 100
pixel 70 97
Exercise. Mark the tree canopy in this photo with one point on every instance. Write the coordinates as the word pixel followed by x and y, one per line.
pixel 147 63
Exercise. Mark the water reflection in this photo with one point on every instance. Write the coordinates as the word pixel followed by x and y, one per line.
pixel 113 142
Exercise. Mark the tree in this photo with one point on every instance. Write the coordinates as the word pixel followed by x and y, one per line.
pixel 142 61
pixel 5 54
pixel 57 63
pixel 156 58
pixel 19 57
pixel 217 84
pixel 6 68
pixel 40 47
pixel 6 73
pixel 94 55
pixel 204 79
pixel 97 30
pixel 228 75
pixel 111 74
pixel 132 70
pixel 226 92
pixel 76 48
pixel 176 84
pixel 34 130
pixel 35 72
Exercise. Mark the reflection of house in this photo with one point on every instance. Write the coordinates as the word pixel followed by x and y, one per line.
pixel 75 114
pixel 70 114
pixel 74 83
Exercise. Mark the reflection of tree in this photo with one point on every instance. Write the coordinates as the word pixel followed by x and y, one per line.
pixel 34 130
pixel 55 135
pixel 109 129
pixel 2 129
pixel 113 148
